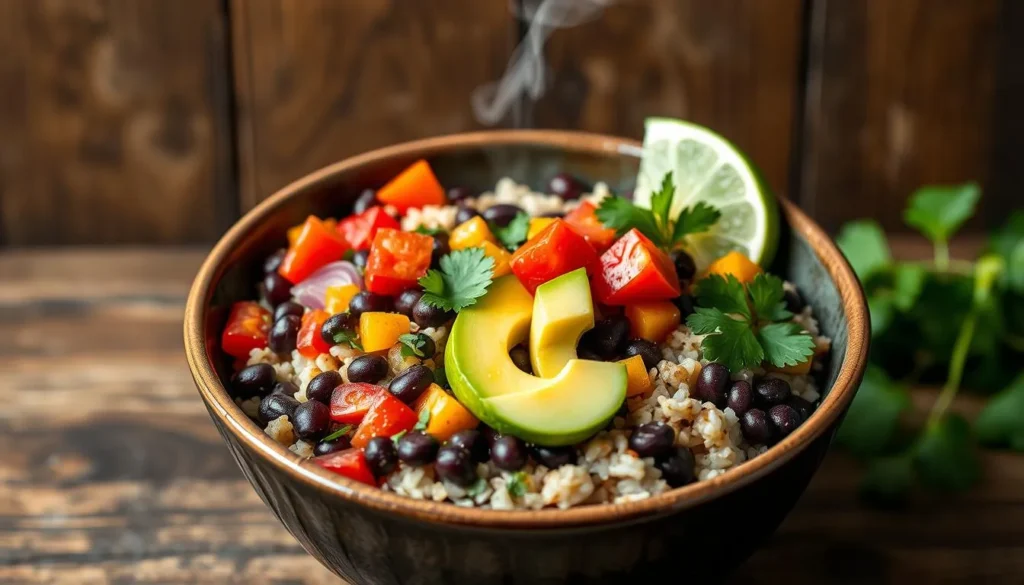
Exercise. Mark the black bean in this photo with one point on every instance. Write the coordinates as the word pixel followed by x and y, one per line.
pixel 368 302
pixel 455 464
pixel 678 469
pixel 740 397
pixel 284 334
pixel 756 426
pixel 456 194
pixel 554 214
pixel 277 288
pixel 686 268
pixel 256 380
pixel 359 258
pixel 311 419
pixel 566 186
pixel 411 383
pixel 685 304
pixel 502 214
pixel 273 262
pixel 554 457
pixel 407 300
pixel 417 448
pixel 473 441
pixel 288 308
pixel 328 447
pixel 771 391
pixel 801 406
pixel 368 369
pixel 426 315
pixel 608 337
pixel 439 250
pixel 645 349
pixel 341 323
pixel 321 387
pixel 380 455
pixel 785 418
pixel 794 301
pixel 585 354
pixel 366 200
pixel 465 214
pixel 652 439
pixel 521 358
pixel 508 453
pixel 275 406
pixel 712 384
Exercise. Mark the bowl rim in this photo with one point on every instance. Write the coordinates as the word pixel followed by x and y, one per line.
pixel 230 417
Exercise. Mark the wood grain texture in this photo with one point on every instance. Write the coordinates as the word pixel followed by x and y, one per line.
pixel 112 473
pixel 320 80
pixel 114 115
pixel 730 65
pixel 898 94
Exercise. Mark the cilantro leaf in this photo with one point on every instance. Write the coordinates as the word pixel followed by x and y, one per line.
pixel 661 200
pixel 463 278
pixel 337 434
pixel 696 219
pixel 874 416
pixel 767 294
pixel 424 420
pixel 413 344
pixel 428 231
pixel 1001 422
pixel 945 455
pixel 724 294
pixel 622 215
pixel 888 480
pixel 785 344
pixel 865 246
pixel 398 436
pixel 349 337
pixel 729 341
pixel 514 234
pixel 938 211
pixel 517 485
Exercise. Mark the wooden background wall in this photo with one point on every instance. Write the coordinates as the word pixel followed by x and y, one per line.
pixel 159 121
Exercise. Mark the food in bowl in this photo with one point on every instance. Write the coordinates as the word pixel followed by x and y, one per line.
pixel 519 350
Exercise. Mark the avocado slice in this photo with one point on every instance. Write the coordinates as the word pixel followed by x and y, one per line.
pixel 562 312
pixel 560 410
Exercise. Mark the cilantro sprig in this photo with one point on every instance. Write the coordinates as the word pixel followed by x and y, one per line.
pixel 513 234
pixel 350 337
pixel 463 277
pixel 656 223
pixel 338 434
pixel 414 344
pixel 747 325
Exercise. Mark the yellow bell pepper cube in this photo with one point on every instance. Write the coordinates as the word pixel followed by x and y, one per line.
pixel 736 264
pixel 501 257
pixel 447 416
pixel 337 298
pixel 653 320
pixel 378 331
pixel 470 234
pixel 638 381
pixel 537 225
pixel 799 369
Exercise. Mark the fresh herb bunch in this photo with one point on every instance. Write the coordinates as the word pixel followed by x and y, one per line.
pixel 666 232
pixel 463 278
pixel 949 322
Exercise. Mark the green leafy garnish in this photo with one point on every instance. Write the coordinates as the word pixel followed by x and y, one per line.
pixel 349 337
pixel 395 438
pixel 424 420
pixel 514 234
pixel 428 231
pixel 413 344
pixel 622 215
pixel 338 434
pixel 517 483
pixel 477 487
pixel 739 337
pixel 463 278
pixel 939 211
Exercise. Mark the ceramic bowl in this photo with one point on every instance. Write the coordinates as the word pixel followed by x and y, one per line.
pixel 367 536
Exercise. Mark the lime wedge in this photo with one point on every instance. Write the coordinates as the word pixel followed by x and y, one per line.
pixel 706 167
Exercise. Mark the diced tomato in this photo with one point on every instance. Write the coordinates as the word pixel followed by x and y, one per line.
pixel 634 269
pixel 387 417
pixel 556 250
pixel 309 341
pixel 358 230
pixel 584 220
pixel 351 463
pixel 416 186
pixel 246 329
pixel 316 245
pixel 351 402
pixel 397 260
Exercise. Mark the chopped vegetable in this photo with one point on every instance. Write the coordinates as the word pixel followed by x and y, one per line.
pixel 350 402
pixel 515 232
pixel 246 329
pixel 380 331
pixel 557 250
pixel 501 259
pixel 359 230
pixel 337 298
pixel 736 264
pixel 416 186
pixel 444 414
pixel 537 225
pixel 462 279
pixel 312 292
pixel 652 320
pixel 639 381
pixel 470 234
pixel 309 342
pixel 584 220
pixel 350 463
pixel 387 417
pixel 397 259
pixel 316 245
pixel 634 270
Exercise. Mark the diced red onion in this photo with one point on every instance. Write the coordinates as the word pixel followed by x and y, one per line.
pixel 310 292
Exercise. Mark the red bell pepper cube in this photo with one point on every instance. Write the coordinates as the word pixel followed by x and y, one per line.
pixel 358 230
pixel 416 186
pixel 316 244
pixel 350 402
pixel 397 260
pixel 584 220
pixel 351 463
pixel 246 330
pixel 556 250
pixel 309 341
pixel 387 417
pixel 633 270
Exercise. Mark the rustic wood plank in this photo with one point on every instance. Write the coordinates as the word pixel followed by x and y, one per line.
pixel 115 118
pixel 320 80
pixel 899 94
pixel 730 65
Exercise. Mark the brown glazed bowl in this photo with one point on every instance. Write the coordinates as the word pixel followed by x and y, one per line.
pixel 367 536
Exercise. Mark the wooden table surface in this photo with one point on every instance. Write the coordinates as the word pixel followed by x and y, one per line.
pixel 111 472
